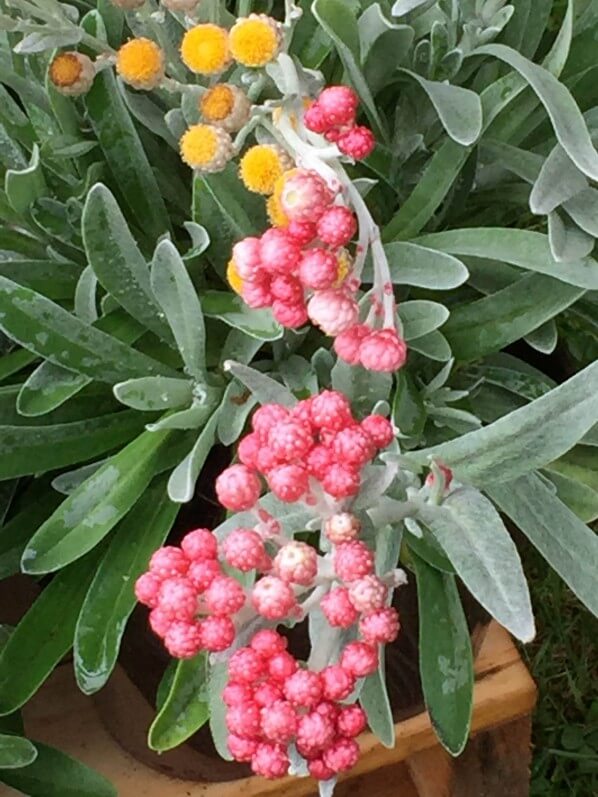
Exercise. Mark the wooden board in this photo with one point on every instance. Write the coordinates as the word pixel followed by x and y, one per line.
pixel 504 692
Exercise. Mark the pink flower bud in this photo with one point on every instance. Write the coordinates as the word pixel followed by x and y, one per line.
pixel 333 311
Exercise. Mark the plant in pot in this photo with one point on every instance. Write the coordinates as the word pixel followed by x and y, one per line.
pixel 263 339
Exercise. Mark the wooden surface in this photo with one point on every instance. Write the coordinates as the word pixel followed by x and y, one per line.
pixel 495 763
pixel 504 693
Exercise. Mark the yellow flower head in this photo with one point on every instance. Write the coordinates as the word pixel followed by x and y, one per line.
pixel 71 73
pixel 262 166
pixel 255 40
pixel 345 264
pixel 140 63
pixel 226 106
pixel 204 49
pixel 234 278
pixel 276 214
pixel 206 148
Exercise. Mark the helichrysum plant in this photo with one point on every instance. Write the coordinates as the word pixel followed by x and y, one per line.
pixel 232 223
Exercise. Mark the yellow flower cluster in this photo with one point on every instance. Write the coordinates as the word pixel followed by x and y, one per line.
pixel 140 63
pixel 253 41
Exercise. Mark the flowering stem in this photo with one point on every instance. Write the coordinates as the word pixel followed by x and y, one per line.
pixel 97 45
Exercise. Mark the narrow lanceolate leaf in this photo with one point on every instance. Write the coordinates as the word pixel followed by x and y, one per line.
pixel 24 186
pixel 93 510
pixel 567 544
pixel 14 535
pixel 43 636
pixel 154 393
pixel 36 449
pixel 265 389
pixel 567 120
pixel 523 248
pixel 176 295
pixel 54 280
pixel 124 154
pixel 237 403
pixel 15 752
pixel 181 484
pixel 111 596
pixel 577 496
pixel 487 325
pixel 217 680
pixel 185 708
pixel 459 109
pixel 117 262
pixel 482 552
pixel 567 241
pixel 376 704
pixel 558 181
pixel 49 385
pixel 231 309
pixel 54 774
pixel 528 438
pixel 51 332
pixel 445 656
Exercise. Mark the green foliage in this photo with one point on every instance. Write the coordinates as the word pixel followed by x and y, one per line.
pixel 184 709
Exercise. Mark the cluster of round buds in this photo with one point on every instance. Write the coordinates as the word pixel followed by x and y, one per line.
pixel 317 439
pixel 192 600
pixel 272 702
pixel 361 597
pixel 374 349
pixel 333 115
pixel 300 267
pixel 273 595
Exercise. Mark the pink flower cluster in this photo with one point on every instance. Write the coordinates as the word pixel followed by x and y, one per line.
pixel 361 596
pixel 298 270
pixel 317 441
pixel 375 349
pixel 301 268
pixel 181 585
pixel 333 115
pixel 273 702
